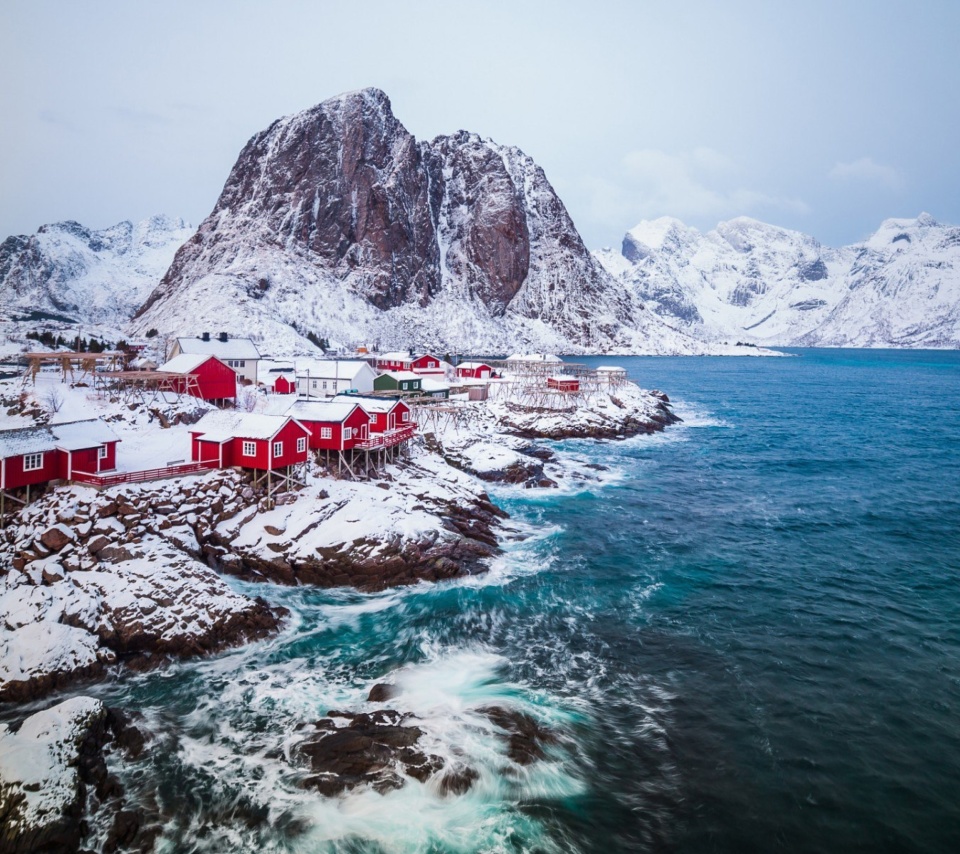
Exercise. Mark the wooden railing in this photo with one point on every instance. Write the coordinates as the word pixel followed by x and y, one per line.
pixel 388 439
pixel 140 476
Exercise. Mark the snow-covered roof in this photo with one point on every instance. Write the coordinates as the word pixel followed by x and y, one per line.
pixel 611 369
pixel 430 384
pixel 184 363
pixel 534 357
pixel 26 440
pixel 336 409
pixel 223 425
pixel 563 378
pixel 76 435
pixel 70 436
pixel 371 404
pixel 329 370
pixel 396 356
pixel 402 375
pixel 232 348
pixel 473 365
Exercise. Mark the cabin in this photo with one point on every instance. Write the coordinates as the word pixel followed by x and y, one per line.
pixel 239 354
pixel 319 378
pixel 249 440
pixel 563 382
pixel 400 381
pixel 474 370
pixel 39 454
pixel 284 385
pixel 435 388
pixel 427 365
pixel 387 414
pixel 336 424
pixel 396 361
pixel 206 377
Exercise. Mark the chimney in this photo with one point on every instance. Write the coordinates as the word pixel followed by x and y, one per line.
pixel 205 336
pixel 223 336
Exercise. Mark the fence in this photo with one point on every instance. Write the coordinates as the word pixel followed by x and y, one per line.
pixel 140 476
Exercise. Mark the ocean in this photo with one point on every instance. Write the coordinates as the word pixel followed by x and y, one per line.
pixel 746 635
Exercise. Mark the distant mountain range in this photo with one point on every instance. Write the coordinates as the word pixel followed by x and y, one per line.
pixel 748 281
pixel 69 272
pixel 336 223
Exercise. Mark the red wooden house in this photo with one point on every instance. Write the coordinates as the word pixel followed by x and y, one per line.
pixel 387 414
pixel 34 455
pixel 202 376
pixel 474 370
pixel 428 365
pixel 397 361
pixel 563 382
pixel 249 440
pixel 335 424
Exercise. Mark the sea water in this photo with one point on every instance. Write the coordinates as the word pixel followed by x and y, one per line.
pixel 746 633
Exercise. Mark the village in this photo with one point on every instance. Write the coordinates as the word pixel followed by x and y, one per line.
pixel 266 417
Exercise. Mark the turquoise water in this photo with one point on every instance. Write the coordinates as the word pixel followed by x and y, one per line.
pixel 749 635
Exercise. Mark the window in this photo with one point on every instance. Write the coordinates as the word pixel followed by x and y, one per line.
pixel 405 416
pixel 313 383
pixel 347 432
pixel 278 449
pixel 403 386
pixel 326 432
pixel 32 462
pixel 249 449
pixel 102 452
pixel 301 444
pixel 324 385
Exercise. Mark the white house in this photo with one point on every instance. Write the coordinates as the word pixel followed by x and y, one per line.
pixel 324 378
pixel 241 354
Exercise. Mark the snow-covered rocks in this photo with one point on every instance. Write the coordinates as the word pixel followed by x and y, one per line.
pixel 41 790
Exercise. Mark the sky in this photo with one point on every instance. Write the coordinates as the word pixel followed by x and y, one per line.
pixel 825 117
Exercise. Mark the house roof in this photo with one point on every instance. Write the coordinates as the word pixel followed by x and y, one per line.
pixel 430 384
pixel 396 356
pixel 77 435
pixel 402 375
pixel 336 409
pixel 70 436
pixel 26 440
pixel 328 369
pixel 232 348
pixel 473 365
pixel 185 363
pixel 562 378
pixel 373 404
pixel 224 425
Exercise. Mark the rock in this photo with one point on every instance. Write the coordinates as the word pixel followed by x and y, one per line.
pixel 364 751
pixel 525 736
pixel 97 543
pixel 458 780
pixel 381 692
pixel 57 537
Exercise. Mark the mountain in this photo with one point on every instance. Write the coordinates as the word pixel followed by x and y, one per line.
pixel 338 223
pixel 71 272
pixel 749 281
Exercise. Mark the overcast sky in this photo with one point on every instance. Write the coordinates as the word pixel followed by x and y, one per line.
pixel 826 117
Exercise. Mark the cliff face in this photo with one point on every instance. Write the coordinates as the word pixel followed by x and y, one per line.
pixel 337 221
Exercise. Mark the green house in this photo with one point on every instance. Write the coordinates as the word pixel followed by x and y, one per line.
pixel 402 381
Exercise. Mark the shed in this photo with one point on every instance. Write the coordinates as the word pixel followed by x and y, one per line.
pixel 563 382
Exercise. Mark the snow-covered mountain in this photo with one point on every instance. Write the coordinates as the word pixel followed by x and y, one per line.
pixel 749 281
pixel 75 273
pixel 337 222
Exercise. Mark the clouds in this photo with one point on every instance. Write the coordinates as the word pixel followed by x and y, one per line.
pixel 700 186
pixel 867 171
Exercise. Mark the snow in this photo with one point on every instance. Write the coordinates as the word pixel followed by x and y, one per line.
pixel 334 409
pixel 78 435
pixel 39 761
pixel 26 440
pixel 223 425
pixel 184 363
